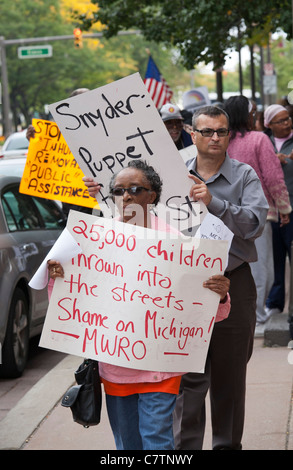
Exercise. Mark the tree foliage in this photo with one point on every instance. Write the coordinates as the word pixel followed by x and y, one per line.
pixel 34 83
pixel 202 30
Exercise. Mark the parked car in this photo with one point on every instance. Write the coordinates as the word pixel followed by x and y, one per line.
pixel 15 167
pixel 15 145
pixel 12 167
pixel 29 227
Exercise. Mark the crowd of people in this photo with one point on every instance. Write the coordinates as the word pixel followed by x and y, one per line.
pixel 254 147
pixel 243 173
pixel 264 140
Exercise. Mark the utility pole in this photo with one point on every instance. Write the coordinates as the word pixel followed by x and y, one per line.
pixel 4 75
pixel 5 90
pixel 252 73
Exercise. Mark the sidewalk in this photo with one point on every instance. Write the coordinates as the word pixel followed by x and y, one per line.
pixel 39 422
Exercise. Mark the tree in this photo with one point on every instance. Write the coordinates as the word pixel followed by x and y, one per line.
pixel 34 83
pixel 202 30
pixel 21 20
pixel 281 54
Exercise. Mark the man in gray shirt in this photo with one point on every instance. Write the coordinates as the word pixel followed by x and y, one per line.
pixel 231 190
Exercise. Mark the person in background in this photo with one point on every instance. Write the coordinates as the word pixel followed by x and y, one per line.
pixel 231 191
pixel 259 121
pixel 288 104
pixel 255 149
pixel 257 117
pixel 187 120
pixel 278 124
pixel 140 403
pixel 174 122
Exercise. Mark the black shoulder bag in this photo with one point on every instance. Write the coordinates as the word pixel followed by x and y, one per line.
pixel 85 398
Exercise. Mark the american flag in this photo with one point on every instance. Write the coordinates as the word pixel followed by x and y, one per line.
pixel 156 85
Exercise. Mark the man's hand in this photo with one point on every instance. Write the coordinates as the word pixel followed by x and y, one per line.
pixel 30 132
pixel 199 191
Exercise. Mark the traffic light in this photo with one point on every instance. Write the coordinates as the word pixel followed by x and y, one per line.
pixel 77 38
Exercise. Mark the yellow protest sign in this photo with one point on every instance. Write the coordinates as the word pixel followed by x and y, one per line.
pixel 51 170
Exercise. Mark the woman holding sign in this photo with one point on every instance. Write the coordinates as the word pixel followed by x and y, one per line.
pixel 140 403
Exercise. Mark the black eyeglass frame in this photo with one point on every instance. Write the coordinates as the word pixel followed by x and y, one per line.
pixel 282 121
pixel 210 132
pixel 133 191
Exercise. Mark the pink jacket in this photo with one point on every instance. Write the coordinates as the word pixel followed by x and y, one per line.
pixel 118 374
pixel 255 148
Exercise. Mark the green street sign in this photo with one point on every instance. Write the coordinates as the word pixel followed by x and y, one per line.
pixel 35 52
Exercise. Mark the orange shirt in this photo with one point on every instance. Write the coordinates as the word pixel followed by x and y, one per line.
pixel 122 390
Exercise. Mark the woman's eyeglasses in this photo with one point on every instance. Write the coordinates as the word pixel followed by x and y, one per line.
pixel 282 121
pixel 133 191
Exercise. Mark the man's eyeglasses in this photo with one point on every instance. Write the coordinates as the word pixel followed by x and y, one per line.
pixel 282 121
pixel 210 132
pixel 133 191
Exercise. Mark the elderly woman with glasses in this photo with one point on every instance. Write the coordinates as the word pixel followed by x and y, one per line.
pixel 140 403
pixel 278 126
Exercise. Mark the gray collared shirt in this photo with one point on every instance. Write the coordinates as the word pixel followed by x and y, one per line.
pixel 239 201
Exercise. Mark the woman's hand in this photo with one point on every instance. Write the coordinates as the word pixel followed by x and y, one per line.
pixel 92 187
pixel 55 269
pixel 283 158
pixel 284 219
pixel 219 284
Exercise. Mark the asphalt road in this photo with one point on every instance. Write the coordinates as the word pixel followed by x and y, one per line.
pixel 40 362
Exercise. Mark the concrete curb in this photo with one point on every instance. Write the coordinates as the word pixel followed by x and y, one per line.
pixel 277 331
pixel 290 427
pixel 26 416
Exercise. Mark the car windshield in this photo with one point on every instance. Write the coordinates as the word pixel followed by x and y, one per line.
pixel 19 143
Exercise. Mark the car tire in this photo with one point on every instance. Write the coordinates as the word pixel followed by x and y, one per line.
pixel 16 343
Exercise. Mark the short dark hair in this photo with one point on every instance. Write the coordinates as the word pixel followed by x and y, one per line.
pixel 211 111
pixel 150 174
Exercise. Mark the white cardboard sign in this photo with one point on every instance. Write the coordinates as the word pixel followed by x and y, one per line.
pixel 107 127
pixel 134 296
